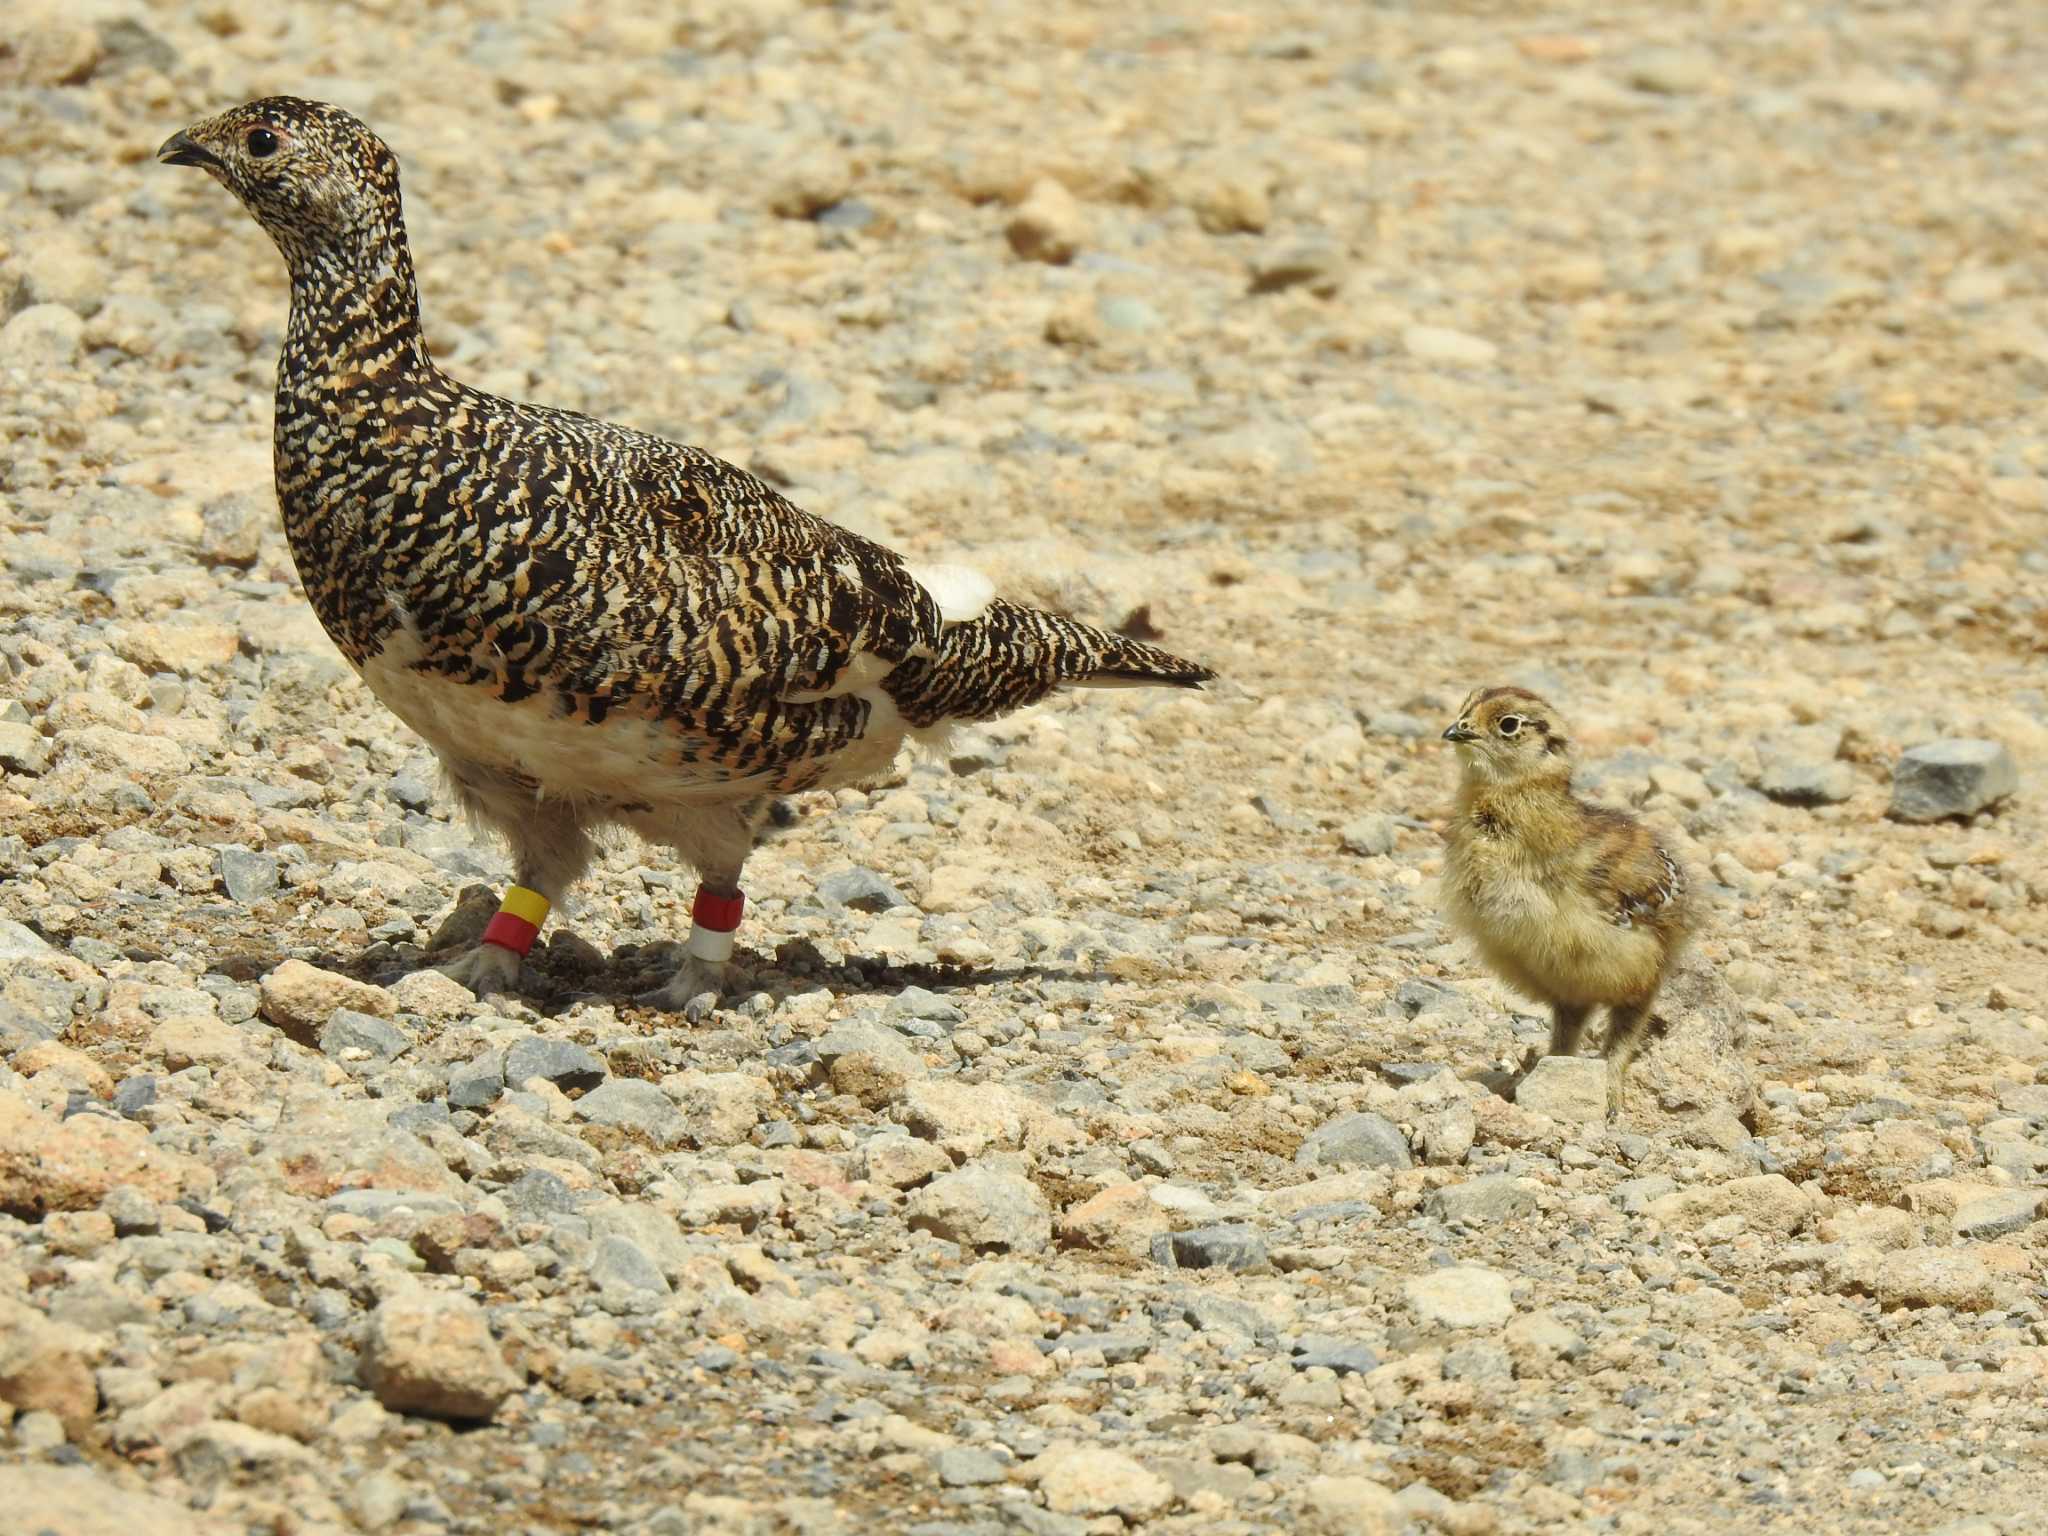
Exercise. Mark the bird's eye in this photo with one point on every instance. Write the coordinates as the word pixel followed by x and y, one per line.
pixel 262 143
pixel 1509 724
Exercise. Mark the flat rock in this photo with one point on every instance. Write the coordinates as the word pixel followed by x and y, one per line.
pixel 1568 1088
pixel 633 1105
pixel 563 1063
pixel 82 1501
pixel 1078 1479
pixel 1461 1296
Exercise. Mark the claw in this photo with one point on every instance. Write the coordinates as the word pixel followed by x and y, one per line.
pixel 485 969
pixel 693 991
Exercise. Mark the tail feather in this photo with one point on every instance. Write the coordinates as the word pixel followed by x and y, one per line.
pixel 1011 656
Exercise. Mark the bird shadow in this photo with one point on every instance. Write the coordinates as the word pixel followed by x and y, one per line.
pixel 553 980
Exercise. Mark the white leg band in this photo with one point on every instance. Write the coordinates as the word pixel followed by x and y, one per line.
pixel 709 943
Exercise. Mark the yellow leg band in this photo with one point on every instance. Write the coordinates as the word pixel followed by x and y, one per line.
pixel 529 906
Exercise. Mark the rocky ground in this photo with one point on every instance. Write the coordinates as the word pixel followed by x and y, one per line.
pixel 1107 1134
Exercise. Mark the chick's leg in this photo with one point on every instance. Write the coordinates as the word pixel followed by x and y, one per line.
pixel 551 848
pixel 1567 1027
pixel 1628 1026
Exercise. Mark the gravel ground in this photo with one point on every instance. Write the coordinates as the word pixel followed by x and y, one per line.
pixel 1108 1134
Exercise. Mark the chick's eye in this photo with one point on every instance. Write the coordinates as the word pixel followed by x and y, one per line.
pixel 1509 724
pixel 262 143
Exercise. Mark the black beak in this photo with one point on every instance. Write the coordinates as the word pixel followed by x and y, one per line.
pixel 1460 731
pixel 179 149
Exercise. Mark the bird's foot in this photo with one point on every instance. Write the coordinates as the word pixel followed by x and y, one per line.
pixel 693 991
pixel 485 969
pixel 1617 1091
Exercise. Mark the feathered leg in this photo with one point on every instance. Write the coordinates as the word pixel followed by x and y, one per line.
pixel 551 848
pixel 715 841
pixel 1628 1026
pixel 1567 1027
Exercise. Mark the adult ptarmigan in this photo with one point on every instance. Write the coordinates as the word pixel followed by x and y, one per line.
pixel 588 624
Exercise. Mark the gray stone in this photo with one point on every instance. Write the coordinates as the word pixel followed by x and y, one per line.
pixel 633 1105
pixel 1478 1202
pixel 1220 1314
pixel 346 1031
pixel 1339 1355
pixel 966 1466
pixel 1951 778
pixel 477 1084
pixel 1800 768
pixel 1998 1215
pixel 248 877
pixel 20 942
pixel 861 889
pixel 1357 1140
pixel 537 1192
pixel 621 1265
pixel 569 1067
pixel 1226 1245
pixel 1116 1348
pixel 132 1095
pixel 1368 835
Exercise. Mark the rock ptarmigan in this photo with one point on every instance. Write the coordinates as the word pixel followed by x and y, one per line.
pixel 588 624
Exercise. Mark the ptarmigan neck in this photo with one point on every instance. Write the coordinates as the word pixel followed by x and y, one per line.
pixel 355 319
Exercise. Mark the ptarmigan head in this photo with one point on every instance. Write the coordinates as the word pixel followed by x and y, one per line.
pixel 1509 733
pixel 322 185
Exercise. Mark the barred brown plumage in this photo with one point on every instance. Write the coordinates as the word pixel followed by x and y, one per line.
pixel 588 624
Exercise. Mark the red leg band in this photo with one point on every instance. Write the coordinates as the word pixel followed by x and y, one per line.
pixel 512 932
pixel 721 914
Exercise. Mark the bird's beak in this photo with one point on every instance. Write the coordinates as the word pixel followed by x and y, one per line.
pixel 1459 731
pixel 181 149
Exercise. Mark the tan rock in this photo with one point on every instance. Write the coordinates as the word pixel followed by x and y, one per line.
pixel 48 1164
pixel 1122 1218
pixel 1078 1479
pixel 77 1233
pixel 81 1501
pixel 1049 225
pixel 46 1366
pixel 187 648
pixel 194 1039
pixel 431 1353
pixel 67 1064
pixel 1352 1506
pixel 298 998
pixel 1768 1202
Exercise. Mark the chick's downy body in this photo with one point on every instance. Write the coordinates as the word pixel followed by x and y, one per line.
pixel 1574 905
pixel 590 625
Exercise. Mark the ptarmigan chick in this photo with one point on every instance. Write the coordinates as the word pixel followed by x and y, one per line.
pixel 1574 905
pixel 588 624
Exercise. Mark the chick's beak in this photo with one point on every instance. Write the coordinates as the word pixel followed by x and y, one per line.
pixel 1458 730
pixel 181 149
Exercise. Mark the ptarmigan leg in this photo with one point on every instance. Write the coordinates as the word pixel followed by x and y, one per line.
pixel 550 849
pixel 1567 1025
pixel 1628 1026
pixel 715 841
